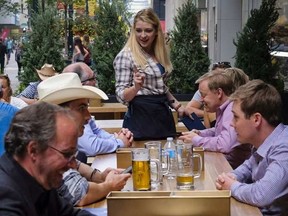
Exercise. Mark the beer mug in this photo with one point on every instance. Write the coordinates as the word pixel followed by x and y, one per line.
pixel 185 167
pixel 141 173
pixel 155 152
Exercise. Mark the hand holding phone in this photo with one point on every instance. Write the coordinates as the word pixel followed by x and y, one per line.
pixel 128 170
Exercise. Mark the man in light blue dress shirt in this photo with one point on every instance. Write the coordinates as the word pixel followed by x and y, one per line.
pixel 262 179
pixel 95 140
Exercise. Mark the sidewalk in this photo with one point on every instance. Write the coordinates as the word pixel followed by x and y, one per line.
pixel 12 70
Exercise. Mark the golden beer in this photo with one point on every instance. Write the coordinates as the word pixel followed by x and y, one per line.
pixel 141 175
pixel 185 181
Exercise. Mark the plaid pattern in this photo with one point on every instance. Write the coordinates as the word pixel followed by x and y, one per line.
pixel 155 83
pixel 30 91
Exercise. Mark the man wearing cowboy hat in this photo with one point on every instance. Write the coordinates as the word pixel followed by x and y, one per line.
pixel 95 140
pixel 29 94
pixel 66 90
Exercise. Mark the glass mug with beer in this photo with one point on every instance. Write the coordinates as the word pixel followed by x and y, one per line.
pixel 141 172
pixel 185 166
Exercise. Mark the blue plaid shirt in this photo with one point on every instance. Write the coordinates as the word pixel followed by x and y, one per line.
pixel 30 91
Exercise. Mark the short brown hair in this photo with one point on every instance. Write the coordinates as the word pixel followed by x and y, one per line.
pixel 258 96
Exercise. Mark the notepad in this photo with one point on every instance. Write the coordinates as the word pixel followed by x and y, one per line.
pixel 193 124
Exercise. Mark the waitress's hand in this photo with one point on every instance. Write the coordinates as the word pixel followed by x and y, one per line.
pixel 181 111
pixel 139 78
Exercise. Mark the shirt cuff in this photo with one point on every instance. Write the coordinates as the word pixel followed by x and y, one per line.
pixel 196 140
pixel 234 187
pixel 120 143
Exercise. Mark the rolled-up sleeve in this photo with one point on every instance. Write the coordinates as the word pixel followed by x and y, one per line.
pixel 123 66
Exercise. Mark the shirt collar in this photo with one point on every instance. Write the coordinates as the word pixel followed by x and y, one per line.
pixel 223 107
pixel 268 142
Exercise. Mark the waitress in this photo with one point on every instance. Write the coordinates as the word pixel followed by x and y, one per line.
pixel 142 69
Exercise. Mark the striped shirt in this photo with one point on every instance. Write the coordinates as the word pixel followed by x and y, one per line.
pixel 155 83
pixel 263 179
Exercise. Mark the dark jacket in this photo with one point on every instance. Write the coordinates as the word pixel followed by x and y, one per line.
pixel 21 194
pixel 3 51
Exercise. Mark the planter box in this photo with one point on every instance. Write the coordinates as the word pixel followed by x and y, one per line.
pixel 214 203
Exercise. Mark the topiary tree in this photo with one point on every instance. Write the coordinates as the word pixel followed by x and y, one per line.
pixel 44 45
pixel 109 40
pixel 253 50
pixel 187 54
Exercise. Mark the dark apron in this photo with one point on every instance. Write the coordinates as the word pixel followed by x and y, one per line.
pixel 150 118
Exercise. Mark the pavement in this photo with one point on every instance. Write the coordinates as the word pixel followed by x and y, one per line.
pixel 12 70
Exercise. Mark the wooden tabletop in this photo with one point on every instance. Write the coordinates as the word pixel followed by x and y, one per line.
pixel 116 108
pixel 215 163
pixel 115 125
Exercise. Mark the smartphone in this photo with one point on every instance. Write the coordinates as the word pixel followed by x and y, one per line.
pixel 128 170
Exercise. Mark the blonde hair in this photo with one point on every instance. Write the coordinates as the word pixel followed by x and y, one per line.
pixel 218 79
pixel 238 76
pixel 148 15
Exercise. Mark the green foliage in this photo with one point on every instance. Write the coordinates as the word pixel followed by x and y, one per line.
pixel 8 7
pixel 187 54
pixel 253 51
pixel 110 39
pixel 43 46
pixel 83 25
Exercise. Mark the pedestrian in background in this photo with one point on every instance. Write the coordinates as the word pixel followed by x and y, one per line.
pixel 18 57
pixel 87 46
pixel 79 52
pixel 3 54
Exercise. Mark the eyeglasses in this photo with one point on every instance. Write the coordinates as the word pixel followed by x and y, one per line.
pixel 67 155
pixel 90 79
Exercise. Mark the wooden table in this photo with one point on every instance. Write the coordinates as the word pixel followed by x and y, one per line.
pixel 215 163
pixel 117 109
pixel 114 125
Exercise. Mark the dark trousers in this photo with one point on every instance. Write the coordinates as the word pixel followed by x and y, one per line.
pixel 2 63
pixel 19 67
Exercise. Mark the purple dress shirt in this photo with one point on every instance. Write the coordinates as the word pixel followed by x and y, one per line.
pixel 263 179
pixel 223 137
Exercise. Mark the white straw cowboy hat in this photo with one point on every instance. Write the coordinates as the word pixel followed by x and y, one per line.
pixel 46 71
pixel 66 87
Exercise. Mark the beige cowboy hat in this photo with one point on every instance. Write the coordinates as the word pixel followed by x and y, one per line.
pixel 46 71
pixel 66 87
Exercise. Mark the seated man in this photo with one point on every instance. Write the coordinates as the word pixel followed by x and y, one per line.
pixel 79 186
pixel 262 180
pixel 38 151
pixel 215 89
pixel 30 94
pixel 196 105
pixel 94 139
